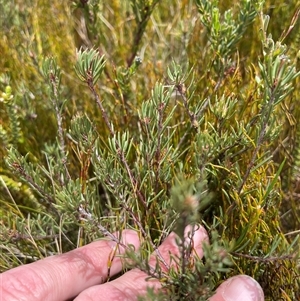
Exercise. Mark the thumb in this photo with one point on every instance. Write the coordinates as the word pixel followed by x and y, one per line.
pixel 239 288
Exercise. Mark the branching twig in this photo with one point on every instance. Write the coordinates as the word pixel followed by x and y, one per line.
pixel 147 11
pixel 49 200
pixel 155 248
pixel 84 215
pixel 120 152
pixel 266 111
pixel 265 259
pixel 161 109
pixel 62 146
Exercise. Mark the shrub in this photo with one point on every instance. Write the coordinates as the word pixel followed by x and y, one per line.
pixel 168 113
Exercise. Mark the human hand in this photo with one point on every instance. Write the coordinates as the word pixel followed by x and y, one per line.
pixel 80 274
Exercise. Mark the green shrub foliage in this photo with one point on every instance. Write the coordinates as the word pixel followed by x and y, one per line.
pixel 153 115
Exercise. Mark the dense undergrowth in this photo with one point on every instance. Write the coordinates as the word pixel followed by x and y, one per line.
pixel 132 114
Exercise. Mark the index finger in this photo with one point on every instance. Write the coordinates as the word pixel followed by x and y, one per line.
pixel 64 276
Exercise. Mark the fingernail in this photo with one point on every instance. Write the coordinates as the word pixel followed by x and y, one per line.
pixel 199 237
pixel 241 287
pixel 129 237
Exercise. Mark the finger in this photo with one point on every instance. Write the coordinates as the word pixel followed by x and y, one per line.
pixel 170 251
pixel 134 283
pixel 64 276
pixel 241 287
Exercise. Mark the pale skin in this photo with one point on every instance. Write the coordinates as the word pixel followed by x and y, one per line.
pixel 80 275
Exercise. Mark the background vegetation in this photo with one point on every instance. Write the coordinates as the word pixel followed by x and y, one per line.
pixel 118 114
